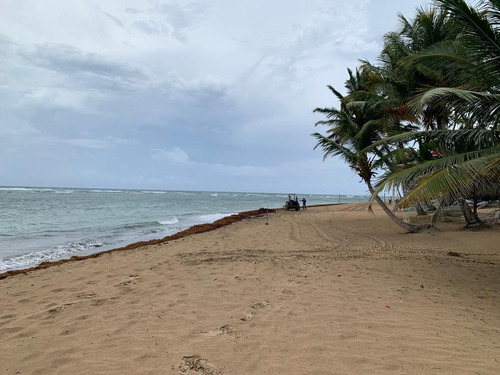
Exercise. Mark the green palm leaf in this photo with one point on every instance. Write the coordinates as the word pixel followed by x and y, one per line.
pixel 440 177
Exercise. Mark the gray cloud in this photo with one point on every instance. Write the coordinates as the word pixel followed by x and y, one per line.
pixel 178 94
pixel 86 66
pixel 104 143
pixel 175 155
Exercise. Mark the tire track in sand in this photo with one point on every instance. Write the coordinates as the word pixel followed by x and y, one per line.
pixel 300 232
pixel 294 233
pixel 338 236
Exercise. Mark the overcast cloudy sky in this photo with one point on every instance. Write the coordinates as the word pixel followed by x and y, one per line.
pixel 179 95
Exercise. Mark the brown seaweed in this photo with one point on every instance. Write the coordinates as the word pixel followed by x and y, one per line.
pixel 195 229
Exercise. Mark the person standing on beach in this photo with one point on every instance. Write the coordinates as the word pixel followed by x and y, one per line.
pixel 304 203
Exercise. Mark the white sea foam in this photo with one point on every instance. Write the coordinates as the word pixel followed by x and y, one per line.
pixel 34 258
pixel 7 188
pixel 171 221
pixel 15 189
pixel 106 191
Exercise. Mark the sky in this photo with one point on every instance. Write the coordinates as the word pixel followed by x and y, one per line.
pixel 180 95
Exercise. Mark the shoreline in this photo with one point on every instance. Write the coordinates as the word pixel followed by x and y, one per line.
pixel 332 289
pixel 81 222
pixel 195 229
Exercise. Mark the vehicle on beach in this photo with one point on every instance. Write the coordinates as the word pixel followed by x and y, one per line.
pixel 292 203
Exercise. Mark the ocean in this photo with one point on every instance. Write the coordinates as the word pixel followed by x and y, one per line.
pixel 47 224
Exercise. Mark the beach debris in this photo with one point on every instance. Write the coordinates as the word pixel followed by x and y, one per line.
pixel 454 254
pixel 387 306
pixel 197 364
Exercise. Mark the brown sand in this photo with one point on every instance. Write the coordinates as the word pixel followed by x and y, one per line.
pixel 329 290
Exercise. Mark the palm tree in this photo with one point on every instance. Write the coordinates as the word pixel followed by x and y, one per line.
pixel 442 68
pixel 473 61
pixel 397 81
pixel 352 128
pixel 472 149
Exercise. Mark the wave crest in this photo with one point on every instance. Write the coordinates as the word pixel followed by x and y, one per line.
pixel 171 221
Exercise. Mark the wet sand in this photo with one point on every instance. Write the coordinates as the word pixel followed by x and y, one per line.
pixel 329 290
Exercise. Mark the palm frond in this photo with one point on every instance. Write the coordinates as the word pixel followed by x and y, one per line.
pixel 475 27
pixel 460 180
pixel 481 138
pixel 439 177
pixel 483 105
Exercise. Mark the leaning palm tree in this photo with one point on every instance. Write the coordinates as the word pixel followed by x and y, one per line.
pixel 472 160
pixel 352 128
pixel 454 177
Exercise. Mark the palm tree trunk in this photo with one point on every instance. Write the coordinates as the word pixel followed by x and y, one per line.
pixel 438 213
pixel 420 210
pixel 470 217
pixel 412 228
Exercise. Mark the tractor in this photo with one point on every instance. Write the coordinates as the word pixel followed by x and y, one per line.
pixel 292 203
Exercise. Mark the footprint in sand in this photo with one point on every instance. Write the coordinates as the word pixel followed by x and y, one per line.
pixel 258 305
pixel 248 317
pixel 83 296
pixel 197 364
pixel 131 280
pixel 261 305
pixel 57 309
pixel 8 316
pixel 226 329
pixel 78 298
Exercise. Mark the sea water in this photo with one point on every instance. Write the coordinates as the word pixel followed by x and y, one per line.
pixel 46 224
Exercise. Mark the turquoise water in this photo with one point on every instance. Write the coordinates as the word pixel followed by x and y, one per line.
pixel 44 224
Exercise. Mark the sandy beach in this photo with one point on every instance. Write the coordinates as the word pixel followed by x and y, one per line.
pixel 328 290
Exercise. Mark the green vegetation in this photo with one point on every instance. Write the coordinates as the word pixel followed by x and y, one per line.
pixel 425 120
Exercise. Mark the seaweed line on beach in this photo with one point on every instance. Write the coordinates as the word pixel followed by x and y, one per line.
pixel 195 229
